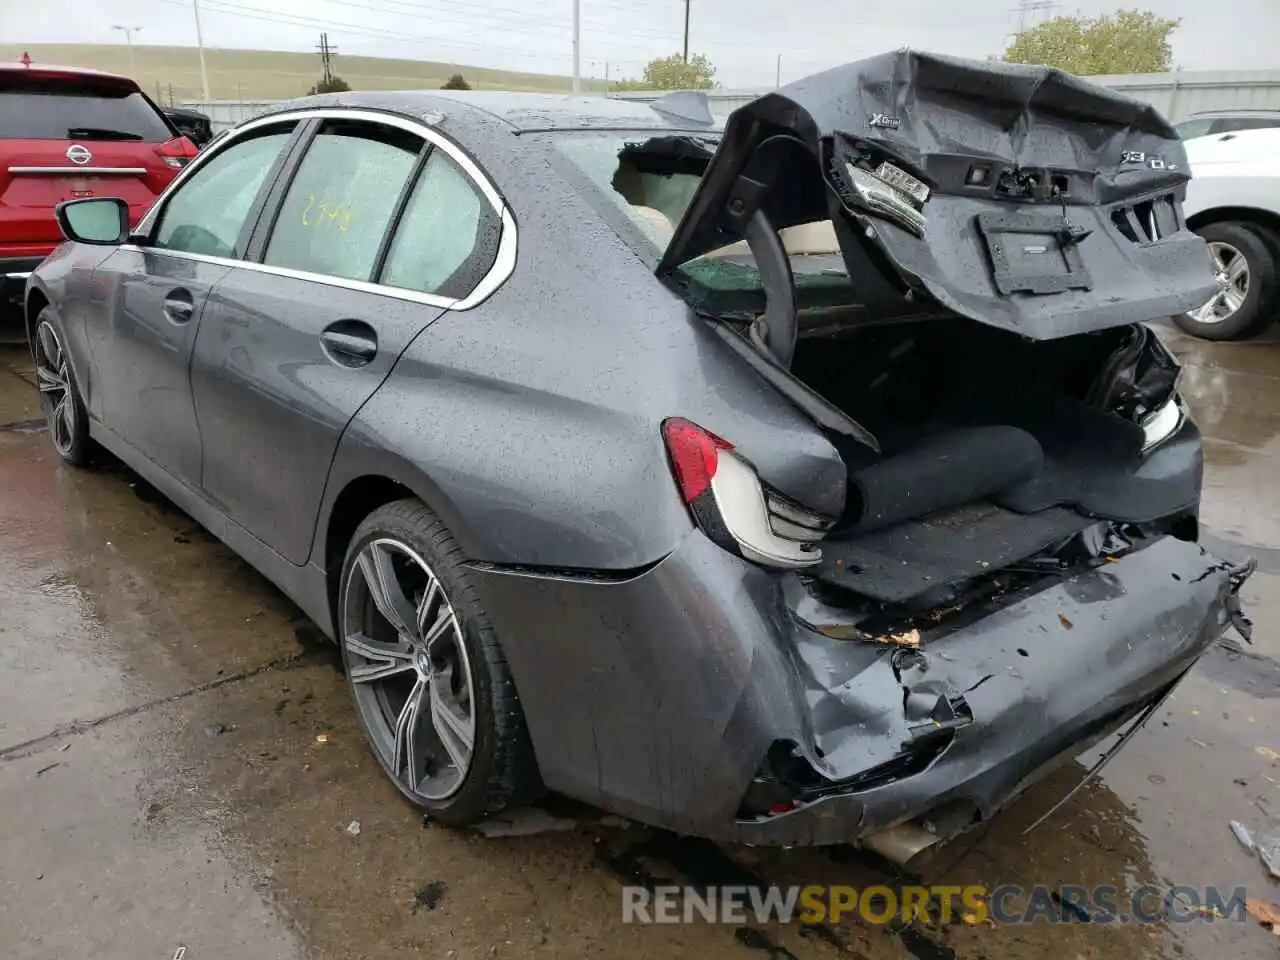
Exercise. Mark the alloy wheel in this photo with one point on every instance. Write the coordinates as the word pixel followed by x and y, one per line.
pixel 54 379
pixel 409 669
pixel 1232 272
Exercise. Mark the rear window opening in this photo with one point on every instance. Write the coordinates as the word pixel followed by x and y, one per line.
pixel 69 108
pixel 651 181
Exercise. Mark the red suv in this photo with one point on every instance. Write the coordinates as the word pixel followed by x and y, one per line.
pixel 68 133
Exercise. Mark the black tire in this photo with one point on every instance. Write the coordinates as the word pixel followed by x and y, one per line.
pixel 60 400
pixel 503 770
pixel 1272 310
pixel 1256 312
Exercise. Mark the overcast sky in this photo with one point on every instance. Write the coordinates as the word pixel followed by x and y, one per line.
pixel 742 37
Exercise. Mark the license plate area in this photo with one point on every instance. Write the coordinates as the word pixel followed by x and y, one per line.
pixel 1028 256
pixel 74 188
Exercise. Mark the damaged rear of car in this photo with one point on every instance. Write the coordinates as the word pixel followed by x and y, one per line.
pixel 947 266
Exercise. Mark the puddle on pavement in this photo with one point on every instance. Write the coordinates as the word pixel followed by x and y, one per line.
pixel 118 604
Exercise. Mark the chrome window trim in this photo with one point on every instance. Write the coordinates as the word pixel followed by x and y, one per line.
pixel 504 262
pixel 359 286
pixel 81 171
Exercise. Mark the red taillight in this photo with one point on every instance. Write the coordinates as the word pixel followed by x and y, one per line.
pixel 177 153
pixel 694 455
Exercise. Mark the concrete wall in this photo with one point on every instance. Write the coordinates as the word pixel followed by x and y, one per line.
pixel 1174 94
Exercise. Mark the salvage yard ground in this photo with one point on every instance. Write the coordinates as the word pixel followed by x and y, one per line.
pixel 180 763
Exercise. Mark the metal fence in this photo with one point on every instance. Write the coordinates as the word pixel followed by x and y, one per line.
pixel 227 113
pixel 1174 94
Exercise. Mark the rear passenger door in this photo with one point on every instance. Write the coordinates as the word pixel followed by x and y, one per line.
pixel 373 233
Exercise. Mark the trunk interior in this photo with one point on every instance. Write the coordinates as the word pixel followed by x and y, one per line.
pixel 1001 458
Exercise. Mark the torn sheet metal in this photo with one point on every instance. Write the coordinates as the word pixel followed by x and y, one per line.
pixel 1018 196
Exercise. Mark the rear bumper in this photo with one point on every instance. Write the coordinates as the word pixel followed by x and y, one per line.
pixel 659 697
pixel 14 272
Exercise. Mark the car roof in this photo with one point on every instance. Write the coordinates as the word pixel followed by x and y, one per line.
pixel 523 112
pixel 54 71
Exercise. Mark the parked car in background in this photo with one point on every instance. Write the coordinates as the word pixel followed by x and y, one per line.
pixel 681 470
pixel 192 124
pixel 1209 122
pixel 66 134
pixel 1233 202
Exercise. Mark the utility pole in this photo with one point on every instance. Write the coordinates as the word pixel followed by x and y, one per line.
pixel 1028 9
pixel 204 72
pixel 327 50
pixel 577 46
pixel 128 39
pixel 778 81
pixel 686 30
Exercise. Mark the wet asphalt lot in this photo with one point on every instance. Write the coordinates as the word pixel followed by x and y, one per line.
pixel 179 762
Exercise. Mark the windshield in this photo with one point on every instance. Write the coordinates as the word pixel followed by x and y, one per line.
pixel 651 177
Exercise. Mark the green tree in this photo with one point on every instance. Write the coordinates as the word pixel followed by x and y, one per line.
pixel 456 82
pixel 332 85
pixel 1128 41
pixel 672 73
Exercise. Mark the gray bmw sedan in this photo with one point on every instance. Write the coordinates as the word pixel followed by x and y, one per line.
pixel 796 479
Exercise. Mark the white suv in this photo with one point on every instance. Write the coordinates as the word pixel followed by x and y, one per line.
pixel 1233 202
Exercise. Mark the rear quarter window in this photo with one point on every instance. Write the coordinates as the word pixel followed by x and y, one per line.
pixel 74 110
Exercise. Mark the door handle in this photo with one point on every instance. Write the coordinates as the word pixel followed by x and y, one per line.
pixel 179 307
pixel 351 343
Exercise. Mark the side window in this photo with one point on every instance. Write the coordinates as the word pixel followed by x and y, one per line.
pixel 447 237
pixel 341 200
pixel 206 214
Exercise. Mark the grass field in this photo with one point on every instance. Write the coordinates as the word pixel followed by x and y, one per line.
pixel 174 72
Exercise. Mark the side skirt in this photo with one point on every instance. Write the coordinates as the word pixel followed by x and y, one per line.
pixel 306 585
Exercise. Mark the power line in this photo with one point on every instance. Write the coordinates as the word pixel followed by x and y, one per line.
pixel 488 22
pixel 363 30
pixel 252 13
pixel 445 11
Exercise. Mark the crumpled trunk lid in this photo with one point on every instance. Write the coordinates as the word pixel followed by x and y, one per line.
pixel 1017 196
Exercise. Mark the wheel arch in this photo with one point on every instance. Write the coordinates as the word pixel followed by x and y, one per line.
pixel 37 299
pixel 1236 214
pixel 354 494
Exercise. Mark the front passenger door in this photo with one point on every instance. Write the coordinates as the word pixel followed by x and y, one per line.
pixel 158 290
pixel 292 347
